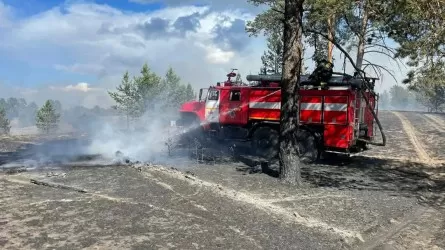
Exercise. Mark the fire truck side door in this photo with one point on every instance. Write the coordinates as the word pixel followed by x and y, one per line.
pixel 212 106
pixel 234 107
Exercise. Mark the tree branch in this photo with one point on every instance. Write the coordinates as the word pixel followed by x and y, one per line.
pixel 389 49
pixel 279 11
pixel 382 68
pixel 380 46
pixel 379 52
pixel 377 71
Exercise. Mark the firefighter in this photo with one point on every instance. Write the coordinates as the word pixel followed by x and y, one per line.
pixel 322 73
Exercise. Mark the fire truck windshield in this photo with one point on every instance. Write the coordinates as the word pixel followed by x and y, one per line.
pixel 203 94
pixel 213 95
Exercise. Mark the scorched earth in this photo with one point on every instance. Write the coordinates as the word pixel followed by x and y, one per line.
pixel 386 198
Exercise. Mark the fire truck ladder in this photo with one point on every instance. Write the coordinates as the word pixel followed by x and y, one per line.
pixel 362 91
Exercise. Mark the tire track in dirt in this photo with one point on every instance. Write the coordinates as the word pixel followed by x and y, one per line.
pixel 26 181
pixel 411 132
pixel 389 233
pixel 436 122
pixel 350 237
pixel 100 196
pixel 397 159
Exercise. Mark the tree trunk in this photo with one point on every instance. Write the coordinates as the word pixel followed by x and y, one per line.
pixel 362 35
pixel 303 49
pixel 331 33
pixel 289 160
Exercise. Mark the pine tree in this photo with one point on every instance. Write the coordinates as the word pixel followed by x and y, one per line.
pixel 272 59
pixel 189 93
pixel 5 126
pixel 172 90
pixel 127 98
pixel 47 118
pixel 149 88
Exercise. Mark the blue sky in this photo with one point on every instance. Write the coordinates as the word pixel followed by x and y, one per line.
pixel 20 72
pixel 53 47
pixel 32 7
pixel 78 49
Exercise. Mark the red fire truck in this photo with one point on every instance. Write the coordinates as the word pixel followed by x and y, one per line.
pixel 338 116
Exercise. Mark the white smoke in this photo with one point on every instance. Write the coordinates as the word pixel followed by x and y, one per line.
pixel 139 144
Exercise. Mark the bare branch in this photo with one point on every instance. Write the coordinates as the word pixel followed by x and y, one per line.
pixel 377 71
pixel 379 52
pixel 381 46
pixel 387 48
pixel 382 68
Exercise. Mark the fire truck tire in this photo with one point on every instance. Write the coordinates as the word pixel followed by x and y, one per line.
pixel 308 146
pixel 265 142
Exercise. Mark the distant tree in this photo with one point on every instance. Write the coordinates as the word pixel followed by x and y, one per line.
pixel 149 88
pixel 97 110
pixel 384 100
pixel 172 90
pixel 272 59
pixel 148 93
pixel 189 93
pixel 431 97
pixel 27 115
pixel 57 105
pixel 428 82
pixel 127 98
pixel 175 93
pixel 12 107
pixel 47 119
pixel 3 103
pixel 5 126
pixel 401 98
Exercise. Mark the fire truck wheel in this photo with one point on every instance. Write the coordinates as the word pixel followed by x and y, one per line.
pixel 265 142
pixel 308 146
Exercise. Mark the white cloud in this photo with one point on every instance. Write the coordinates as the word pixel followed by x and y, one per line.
pixel 88 68
pixel 201 43
pixel 69 95
pixel 103 41
pixel 5 15
pixel 80 87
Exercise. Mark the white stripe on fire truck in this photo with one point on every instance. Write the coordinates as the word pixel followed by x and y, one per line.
pixel 303 106
pixel 310 106
pixel 265 105
pixel 335 107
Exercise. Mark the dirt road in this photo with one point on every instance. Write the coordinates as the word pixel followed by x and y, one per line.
pixel 388 198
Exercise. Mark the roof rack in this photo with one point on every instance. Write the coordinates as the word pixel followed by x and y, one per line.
pixel 337 79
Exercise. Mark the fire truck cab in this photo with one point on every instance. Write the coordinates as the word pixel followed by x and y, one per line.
pixel 334 117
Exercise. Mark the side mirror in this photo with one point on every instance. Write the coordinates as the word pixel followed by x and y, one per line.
pixel 200 94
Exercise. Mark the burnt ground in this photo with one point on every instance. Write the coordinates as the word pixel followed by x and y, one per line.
pixel 387 198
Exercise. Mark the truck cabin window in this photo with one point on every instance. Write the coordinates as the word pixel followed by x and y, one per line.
pixel 235 95
pixel 213 95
